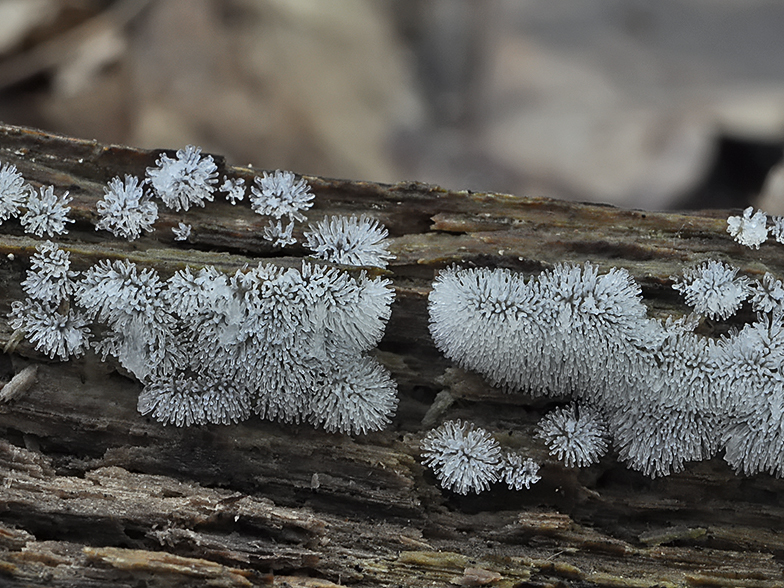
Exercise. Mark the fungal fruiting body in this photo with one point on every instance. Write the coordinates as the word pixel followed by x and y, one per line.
pixel 464 458
pixel 125 209
pixel 234 189
pixel 46 213
pixel 767 294
pixel 564 321
pixel 279 235
pixel 669 395
pixel 750 229
pixel 13 192
pixel 46 316
pixel 290 344
pixel 280 194
pixel 182 232
pixel 187 179
pixel 713 289
pixel 575 435
pixel 351 240
pixel 519 472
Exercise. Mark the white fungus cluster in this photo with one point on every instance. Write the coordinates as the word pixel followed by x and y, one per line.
pixel 575 435
pixel 13 192
pixel 776 229
pixel 47 214
pixel 234 189
pixel 753 432
pixel 51 323
pixel 288 344
pixel 669 395
pixel 750 229
pixel 767 294
pixel 190 178
pixel 185 180
pixel 128 209
pixel 466 458
pixel 125 209
pixel 41 212
pixel 279 235
pixel 182 232
pixel 352 240
pixel 565 318
pixel 280 194
pixel 713 289
pixel 519 472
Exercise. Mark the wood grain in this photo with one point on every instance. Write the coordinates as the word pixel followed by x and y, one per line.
pixel 93 494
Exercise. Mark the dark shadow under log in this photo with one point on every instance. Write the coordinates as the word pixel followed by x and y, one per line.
pixel 93 494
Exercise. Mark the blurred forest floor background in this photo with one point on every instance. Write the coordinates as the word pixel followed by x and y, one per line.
pixel 667 104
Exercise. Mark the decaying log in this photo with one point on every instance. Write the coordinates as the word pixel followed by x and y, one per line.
pixel 93 494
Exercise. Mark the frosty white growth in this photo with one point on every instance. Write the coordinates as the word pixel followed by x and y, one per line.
pixel 713 289
pixel 518 472
pixel 750 229
pixel 466 458
pixel 235 189
pixel 188 179
pixel 575 435
pixel 349 240
pixel 279 235
pixel 41 213
pixel 13 192
pixel 670 395
pixel 182 232
pixel 46 213
pixel 125 210
pixel 279 194
pixel 288 344
pixel 51 324
pixel 564 320
pixel 767 295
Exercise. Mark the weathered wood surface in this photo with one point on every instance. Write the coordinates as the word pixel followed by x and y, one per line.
pixel 93 494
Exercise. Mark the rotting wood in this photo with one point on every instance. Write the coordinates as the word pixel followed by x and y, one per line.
pixel 93 494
